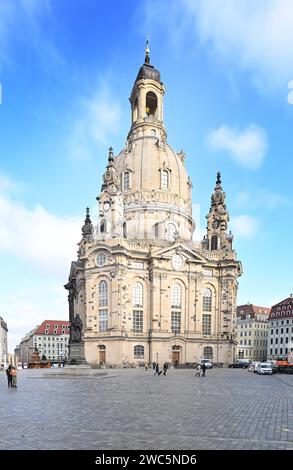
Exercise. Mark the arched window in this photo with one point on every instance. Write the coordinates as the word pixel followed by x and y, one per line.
pixel 126 180
pixel 135 111
pixel 171 232
pixel 176 301
pixel 176 295
pixel 207 300
pixel 214 242
pixel 124 230
pixel 151 104
pixel 208 352
pixel 103 226
pixel 157 230
pixel 164 179
pixel 137 314
pixel 138 352
pixel 103 294
pixel 137 294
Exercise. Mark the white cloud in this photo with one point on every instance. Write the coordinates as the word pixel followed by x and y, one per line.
pixel 247 147
pixel 23 20
pixel 99 119
pixel 36 248
pixel 244 226
pixel 261 198
pixel 253 36
pixel 45 300
pixel 35 235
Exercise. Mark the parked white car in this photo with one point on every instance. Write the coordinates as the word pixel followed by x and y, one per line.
pixel 207 363
pixel 265 368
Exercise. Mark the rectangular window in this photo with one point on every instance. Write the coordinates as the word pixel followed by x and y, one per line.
pixel 126 181
pixel 206 324
pixel 208 272
pixel 207 303
pixel 137 264
pixel 103 320
pixel 138 321
pixel 176 322
pixel 164 179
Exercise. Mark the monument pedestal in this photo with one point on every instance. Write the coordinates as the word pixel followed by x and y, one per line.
pixel 76 355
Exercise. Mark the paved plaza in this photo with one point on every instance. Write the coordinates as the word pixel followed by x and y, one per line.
pixel 133 409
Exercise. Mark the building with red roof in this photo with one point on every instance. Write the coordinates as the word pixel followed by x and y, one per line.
pixel 281 329
pixel 50 339
pixel 252 332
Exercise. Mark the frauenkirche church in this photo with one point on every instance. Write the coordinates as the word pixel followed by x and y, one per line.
pixel 144 290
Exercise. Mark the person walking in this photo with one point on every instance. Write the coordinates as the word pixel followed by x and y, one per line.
pixel 154 365
pixel 14 377
pixel 158 371
pixel 203 367
pixel 9 376
pixel 197 369
pixel 146 366
pixel 165 368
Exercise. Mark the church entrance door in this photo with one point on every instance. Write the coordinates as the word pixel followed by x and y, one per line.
pixel 176 357
pixel 102 357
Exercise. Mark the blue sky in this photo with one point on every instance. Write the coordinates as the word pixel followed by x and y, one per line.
pixel 66 71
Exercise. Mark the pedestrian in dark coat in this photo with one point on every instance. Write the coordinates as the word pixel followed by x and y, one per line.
pixel 165 368
pixel 157 372
pixel 9 376
pixel 203 367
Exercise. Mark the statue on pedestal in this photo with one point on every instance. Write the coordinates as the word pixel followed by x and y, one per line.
pixel 76 329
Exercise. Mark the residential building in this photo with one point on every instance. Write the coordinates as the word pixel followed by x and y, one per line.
pixel 144 290
pixel 252 332
pixel 3 343
pixel 280 329
pixel 50 339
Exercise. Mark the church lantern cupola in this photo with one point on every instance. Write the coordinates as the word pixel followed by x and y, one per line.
pixel 147 98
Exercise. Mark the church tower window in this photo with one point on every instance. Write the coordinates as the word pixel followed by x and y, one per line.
pixel 151 104
pixel 208 352
pixel 176 296
pixel 206 324
pixel 124 230
pixel 214 242
pixel 176 299
pixel 207 300
pixel 138 352
pixel 103 302
pixel 126 181
pixel 164 179
pixel 137 295
pixel 138 304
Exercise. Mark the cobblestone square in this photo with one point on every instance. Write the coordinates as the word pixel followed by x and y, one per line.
pixel 133 409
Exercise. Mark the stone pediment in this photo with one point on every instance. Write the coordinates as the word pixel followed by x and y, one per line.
pixel 179 248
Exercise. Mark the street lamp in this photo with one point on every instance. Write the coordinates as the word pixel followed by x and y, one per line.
pixel 157 354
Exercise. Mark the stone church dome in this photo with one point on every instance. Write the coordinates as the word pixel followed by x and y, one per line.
pixel 153 178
